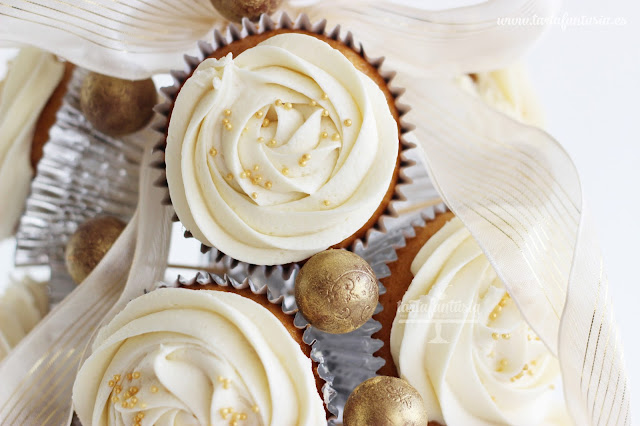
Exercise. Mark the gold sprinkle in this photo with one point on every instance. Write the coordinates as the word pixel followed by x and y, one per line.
pixel 129 376
pixel 503 302
pixel 248 172
pixel 529 338
pixel 326 203
pixel 114 399
pixel 143 406
pixel 256 167
pixel 495 336
pixel 266 122
pixel 537 338
pixel 273 142
pixel 213 153
pixel 260 139
pixel 116 378
pixel 534 362
pixel 498 308
pixel 254 196
pixel 278 102
pixel 133 390
pixel 268 185
pixel 325 113
pixel 233 423
pixel 136 375
pixel 111 383
pixel 227 112
pixel 225 121
pixel 134 400
pixel 335 137
pixel 118 389
pixel 530 372
pixel 493 315
pixel 125 404
pixel 229 176
pixel 325 96
pixel 228 126
pixel 259 114
pixel 519 375
pixel 243 416
pixel 506 336
pixel 140 415
pixel 137 424
pixel 285 171
pixel 154 389
pixel 348 122
pixel 526 367
pixel 324 135
pixel 127 395
pixel 513 379
pixel 493 398
pixel 306 157
pixel 224 412
pixel 257 180
pixel 255 409
pixel 243 175
pixel 314 103
pixel 246 129
pixel 288 105
pixel 302 163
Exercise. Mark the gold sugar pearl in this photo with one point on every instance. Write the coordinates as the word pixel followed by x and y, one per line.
pixel 243 416
pixel 526 367
pixel 266 122
pixel 225 121
pixel 302 163
pixel 243 175
pixel 336 137
pixel 114 399
pixel 154 389
pixel 313 103
pixel 493 398
pixel 534 362
pixel 140 415
pixel 259 114
pixel 227 112
pixel 513 379
pixel 228 126
pixel 326 203
pixel 493 316
pixel 506 336
pixel 229 176
pixel 143 406
pixel 260 139
pixel 256 167
pixel 285 171
pixel 495 336
pixel 288 105
pixel 257 179
pixel 118 389
pixel 273 142
pixel 129 376
pixel 125 404
pixel 136 375
pixel 325 96
pixel 137 424
pixel 127 395
pixel 255 409
pixel 133 390
pixel 306 157
pixel 278 103
pixel 268 185
pixel 248 172
pixel 325 113
pixel 224 412
pixel 254 196
pixel 348 122
pixel 111 383
pixel 134 400
pixel 213 153
pixel 324 135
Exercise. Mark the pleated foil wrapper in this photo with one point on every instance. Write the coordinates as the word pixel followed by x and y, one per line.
pixel 82 174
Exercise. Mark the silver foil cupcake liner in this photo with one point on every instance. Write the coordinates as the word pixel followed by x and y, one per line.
pixel 82 174
pixel 266 24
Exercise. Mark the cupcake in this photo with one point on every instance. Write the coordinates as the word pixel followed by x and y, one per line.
pixel 22 305
pixel 30 95
pixel 216 355
pixel 452 331
pixel 282 144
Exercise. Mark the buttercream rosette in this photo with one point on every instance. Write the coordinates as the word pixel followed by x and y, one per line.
pixel 461 341
pixel 283 151
pixel 180 356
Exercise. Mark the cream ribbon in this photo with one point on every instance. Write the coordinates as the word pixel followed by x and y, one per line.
pixel 513 186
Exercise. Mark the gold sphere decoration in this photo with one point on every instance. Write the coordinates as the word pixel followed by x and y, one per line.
pixel 88 245
pixel 117 107
pixel 336 291
pixel 235 10
pixel 385 400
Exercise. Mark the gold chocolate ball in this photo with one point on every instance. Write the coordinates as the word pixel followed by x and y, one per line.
pixel 88 245
pixel 235 10
pixel 336 291
pixel 117 107
pixel 385 401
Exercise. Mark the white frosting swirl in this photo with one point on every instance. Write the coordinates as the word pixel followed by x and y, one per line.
pixel 509 91
pixel 281 152
pixel 32 78
pixel 462 343
pixel 22 306
pixel 196 357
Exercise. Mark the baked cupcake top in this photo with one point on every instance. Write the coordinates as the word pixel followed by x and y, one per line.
pixel 33 76
pixel 461 341
pixel 178 356
pixel 281 152
pixel 22 306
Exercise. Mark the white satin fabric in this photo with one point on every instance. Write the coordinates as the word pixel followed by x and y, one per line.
pixel 513 186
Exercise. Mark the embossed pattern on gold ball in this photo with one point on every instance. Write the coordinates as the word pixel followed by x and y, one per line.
pixel 235 10
pixel 385 401
pixel 336 291
pixel 117 107
pixel 88 245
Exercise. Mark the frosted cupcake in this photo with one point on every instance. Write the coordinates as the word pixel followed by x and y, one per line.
pixel 451 330
pixel 30 95
pixel 280 145
pixel 179 356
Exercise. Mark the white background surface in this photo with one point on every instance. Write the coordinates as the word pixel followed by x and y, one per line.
pixel 588 79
